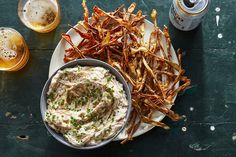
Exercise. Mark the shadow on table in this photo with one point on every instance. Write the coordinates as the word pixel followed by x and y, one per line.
pixel 187 40
pixel 43 40
pixel 192 47
pixel 193 61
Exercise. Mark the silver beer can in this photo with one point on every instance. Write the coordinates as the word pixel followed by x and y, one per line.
pixel 186 15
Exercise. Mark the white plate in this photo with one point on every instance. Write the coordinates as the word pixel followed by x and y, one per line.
pixel 57 62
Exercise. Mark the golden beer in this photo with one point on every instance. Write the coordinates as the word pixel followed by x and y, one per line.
pixel 14 53
pixel 39 15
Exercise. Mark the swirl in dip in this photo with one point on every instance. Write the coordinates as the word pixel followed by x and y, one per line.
pixel 86 104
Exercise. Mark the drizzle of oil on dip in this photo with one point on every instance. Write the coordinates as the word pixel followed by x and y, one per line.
pixel 86 104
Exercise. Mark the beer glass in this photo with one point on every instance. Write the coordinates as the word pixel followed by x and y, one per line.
pixel 39 15
pixel 14 52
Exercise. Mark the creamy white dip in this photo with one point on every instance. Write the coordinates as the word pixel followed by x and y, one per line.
pixel 86 104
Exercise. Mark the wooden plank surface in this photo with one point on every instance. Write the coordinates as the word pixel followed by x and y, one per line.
pixel 209 106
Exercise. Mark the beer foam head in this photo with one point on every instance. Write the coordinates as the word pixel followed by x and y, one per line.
pixel 7 54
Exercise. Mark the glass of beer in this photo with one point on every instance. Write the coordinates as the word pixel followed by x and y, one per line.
pixel 14 52
pixel 39 15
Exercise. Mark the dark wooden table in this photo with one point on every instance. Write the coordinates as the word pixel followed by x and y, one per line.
pixel 209 106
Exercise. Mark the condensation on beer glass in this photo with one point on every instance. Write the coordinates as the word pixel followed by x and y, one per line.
pixel 39 15
pixel 14 52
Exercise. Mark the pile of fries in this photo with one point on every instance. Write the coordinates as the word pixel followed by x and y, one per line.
pixel 118 38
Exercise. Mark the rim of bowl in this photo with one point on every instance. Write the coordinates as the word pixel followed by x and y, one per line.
pixel 85 62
